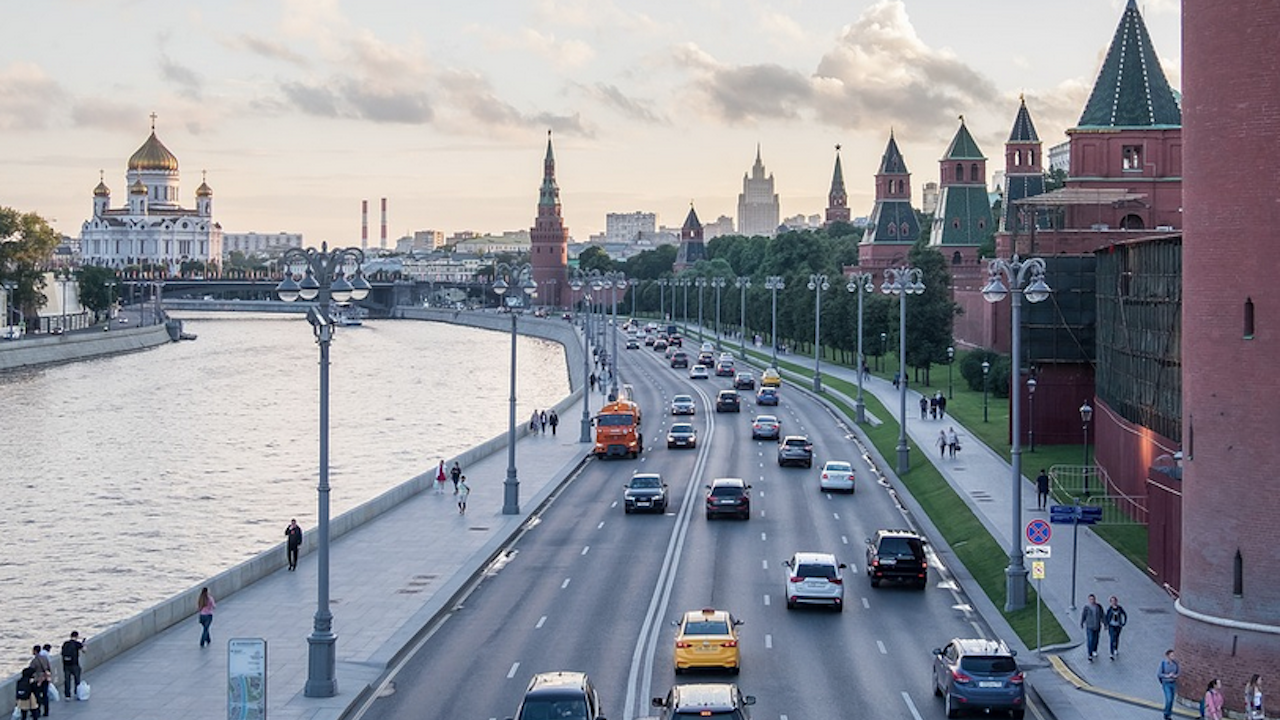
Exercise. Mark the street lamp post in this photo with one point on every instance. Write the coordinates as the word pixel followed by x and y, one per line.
pixel 325 283
pixel 773 284
pixel 1086 414
pixel 615 280
pixel 597 286
pixel 662 300
pixel 685 283
pixel 860 283
pixel 884 348
pixel 951 359
pixel 582 280
pixel 717 283
pixel 902 282
pixel 1031 414
pixel 700 283
pixel 518 281
pixel 742 282
pixel 635 290
pixel 986 368
pixel 1026 279
pixel 818 284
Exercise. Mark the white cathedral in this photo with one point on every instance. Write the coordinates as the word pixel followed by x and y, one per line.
pixel 153 228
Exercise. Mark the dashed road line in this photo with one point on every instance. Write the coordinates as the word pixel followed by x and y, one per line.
pixel 512 672
pixel 564 584
pixel 541 621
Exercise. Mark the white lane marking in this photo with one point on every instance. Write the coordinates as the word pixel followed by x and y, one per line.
pixel 766 600
pixel 602 522
pixel 866 605
pixel 512 672
pixel 761 513
pixel 586 549
pixel 844 539
pixel 977 628
pixel 764 564
pixel 762 536
pixel 880 645
pixel 911 706
pixel 564 584
pixel 837 515
pixel 768 641
pixel 541 621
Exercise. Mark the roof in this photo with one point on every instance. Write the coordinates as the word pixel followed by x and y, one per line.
pixel 963 216
pixel 837 177
pixel 815 557
pixel 891 163
pixel 1024 131
pixel 691 221
pixel 981 646
pixel 557 681
pixel 1081 196
pixel 963 146
pixel 153 155
pixel 1131 89
pixel 707 614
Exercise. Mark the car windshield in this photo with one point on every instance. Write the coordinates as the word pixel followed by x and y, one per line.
pixel 706 627
pixel 548 709
pixel 614 420
pixel 839 467
pixel 899 546
pixel 988 665
pixel 682 429
pixel 645 482
pixel 815 570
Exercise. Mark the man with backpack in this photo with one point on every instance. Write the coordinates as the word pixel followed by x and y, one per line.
pixel 71 650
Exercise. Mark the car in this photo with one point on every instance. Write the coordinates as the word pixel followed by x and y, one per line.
pixel 676 341
pixel 698 372
pixel 722 701
pixel 729 496
pixel 765 427
pixel 706 358
pixel 814 578
pixel 659 345
pixel 560 694
pixel 633 344
pixel 649 340
pixel 795 450
pixel 683 405
pixel 726 355
pixel 836 475
pixel 679 359
pixel 728 401
pixel 670 351
pixel 724 368
pixel 707 638
pixel 682 435
pixel 767 396
pixel 744 380
pixel 770 377
pixel 897 555
pixel 707 347
pixel 57 330
pixel 645 491
pixel 979 674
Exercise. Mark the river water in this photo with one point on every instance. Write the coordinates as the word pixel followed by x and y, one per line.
pixel 131 478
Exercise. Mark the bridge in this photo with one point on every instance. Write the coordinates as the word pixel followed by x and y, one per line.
pixel 259 294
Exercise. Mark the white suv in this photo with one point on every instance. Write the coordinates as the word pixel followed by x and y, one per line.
pixel 815 579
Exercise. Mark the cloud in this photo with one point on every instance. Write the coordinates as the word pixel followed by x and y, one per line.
pixel 189 83
pixel 784 31
pixel 264 47
pixel 614 98
pixel 26 95
pixel 313 99
pixel 476 108
pixel 561 53
pixel 596 14
pixel 747 92
pixel 108 114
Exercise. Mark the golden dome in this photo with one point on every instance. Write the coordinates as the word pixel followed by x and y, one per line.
pixel 204 190
pixel 153 155
pixel 137 188
pixel 102 190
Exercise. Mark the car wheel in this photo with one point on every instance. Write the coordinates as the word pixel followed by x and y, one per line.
pixel 735 669
pixel 791 605
pixel 1018 714
pixel 708 516
pixel 809 464
pixel 923 584
pixel 626 510
pixel 670 445
pixel 875 582
pixel 679 670
pixel 839 607
pixel 937 689
pixel 949 706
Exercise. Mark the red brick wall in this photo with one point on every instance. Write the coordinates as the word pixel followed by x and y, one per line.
pixel 1231 396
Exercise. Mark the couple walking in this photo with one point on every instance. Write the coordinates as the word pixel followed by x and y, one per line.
pixel 1093 618
pixel 948 442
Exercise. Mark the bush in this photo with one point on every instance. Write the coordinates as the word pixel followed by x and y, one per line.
pixel 998 376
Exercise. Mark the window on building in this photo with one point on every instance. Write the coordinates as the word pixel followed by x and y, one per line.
pixel 1132 222
pixel 904 231
pixel 893 230
pixel 1248 318
pixel 955 223
pixel 956 258
pixel 1131 158
pixel 1031 157
pixel 974 175
pixel 1017 157
pixel 959 172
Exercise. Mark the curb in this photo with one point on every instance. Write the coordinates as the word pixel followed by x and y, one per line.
pixel 1066 673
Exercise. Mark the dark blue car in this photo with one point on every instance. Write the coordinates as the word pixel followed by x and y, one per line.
pixel 767 396
pixel 978 675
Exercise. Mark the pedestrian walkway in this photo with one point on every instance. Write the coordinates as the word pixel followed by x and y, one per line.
pixel 388 579
pixel 1069 684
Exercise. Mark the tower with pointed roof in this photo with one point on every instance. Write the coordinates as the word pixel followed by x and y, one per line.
pixel 894 227
pixel 837 198
pixel 549 238
pixel 758 209
pixel 153 228
pixel 1023 171
pixel 962 220
pixel 692 249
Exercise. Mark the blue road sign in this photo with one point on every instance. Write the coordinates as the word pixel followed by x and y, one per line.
pixel 1089 512
pixel 1074 515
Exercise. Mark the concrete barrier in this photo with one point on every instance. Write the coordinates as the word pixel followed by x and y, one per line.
pixel 128 633
pixel 31 351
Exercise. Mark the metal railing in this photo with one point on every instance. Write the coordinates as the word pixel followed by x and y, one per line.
pixel 1090 485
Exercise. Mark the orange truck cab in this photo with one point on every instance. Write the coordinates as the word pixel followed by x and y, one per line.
pixel 618 430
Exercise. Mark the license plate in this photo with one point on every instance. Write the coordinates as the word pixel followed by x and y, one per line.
pixel 726 502
pixel 643 502
pixel 889 561
pixel 990 683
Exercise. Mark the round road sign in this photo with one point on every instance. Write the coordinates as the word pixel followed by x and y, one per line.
pixel 1038 532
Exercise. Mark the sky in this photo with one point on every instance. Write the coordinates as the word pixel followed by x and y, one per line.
pixel 299 109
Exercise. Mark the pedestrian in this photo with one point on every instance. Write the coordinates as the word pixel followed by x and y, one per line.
pixel 1042 490
pixel 71 651
pixel 440 478
pixel 1211 703
pixel 1091 621
pixel 533 422
pixel 942 444
pixel 1168 676
pixel 40 688
pixel 454 474
pixel 46 651
pixel 1115 618
pixel 1253 699
pixel 942 404
pixel 555 422
pixel 463 491
pixel 933 407
pixel 953 442
pixel 293 541
pixel 866 371
pixel 542 421
pixel 897 378
pixel 26 694
pixel 593 382
pixel 924 407
pixel 205 606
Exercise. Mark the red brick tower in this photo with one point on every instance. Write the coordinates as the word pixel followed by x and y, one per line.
pixel 1228 622
pixel 549 239
pixel 691 249
pixel 837 198
pixel 894 227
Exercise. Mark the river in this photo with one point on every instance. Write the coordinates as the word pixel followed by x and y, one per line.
pixel 134 477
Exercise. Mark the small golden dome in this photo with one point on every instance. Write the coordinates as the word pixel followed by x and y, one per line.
pixel 102 190
pixel 137 188
pixel 204 190
pixel 153 155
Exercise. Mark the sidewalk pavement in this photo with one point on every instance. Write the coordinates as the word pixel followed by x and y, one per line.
pixel 1070 685
pixel 388 579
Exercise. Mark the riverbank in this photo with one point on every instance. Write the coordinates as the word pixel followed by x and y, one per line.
pixel 36 351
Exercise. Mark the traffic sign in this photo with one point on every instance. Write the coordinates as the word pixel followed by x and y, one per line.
pixel 1037 551
pixel 1074 514
pixel 1037 569
pixel 1038 532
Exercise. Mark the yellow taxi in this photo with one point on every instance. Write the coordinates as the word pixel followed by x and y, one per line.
pixel 707 638
pixel 770 378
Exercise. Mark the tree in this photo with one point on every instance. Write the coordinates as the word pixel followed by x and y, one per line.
pixel 27 243
pixel 930 316
pixel 95 292
pixel 594 257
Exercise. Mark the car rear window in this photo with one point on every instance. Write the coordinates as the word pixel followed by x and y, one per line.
pixel 899 546
pixel 697 714
pixel 726 491
pixel 571 709
pixel 816 571
pixel 797 442
pixel 839 467
pixel 988 665
pixel 706 627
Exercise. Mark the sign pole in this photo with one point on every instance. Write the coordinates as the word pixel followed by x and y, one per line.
pixel 1039 604
pixel 1075 544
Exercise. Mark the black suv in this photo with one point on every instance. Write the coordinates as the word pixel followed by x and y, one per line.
pixel 560 695
pixel 705 700
pixel 897 555
pixel 729 496
pixel 795 449
pixel 728 401
pixel 679 359
pixel 646 491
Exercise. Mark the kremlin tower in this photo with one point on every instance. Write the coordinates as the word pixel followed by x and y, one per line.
pixel 894 227
pixel 837 198
pixel 692 248
pixel 963 217
pixel 549 239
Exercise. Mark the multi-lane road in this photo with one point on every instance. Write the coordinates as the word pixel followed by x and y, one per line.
pixel 586 587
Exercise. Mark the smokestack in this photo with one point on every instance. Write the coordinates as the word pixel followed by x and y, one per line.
pixel 383 244
pixel 364 224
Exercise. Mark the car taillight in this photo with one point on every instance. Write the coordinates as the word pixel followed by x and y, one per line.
pixel 808 448
pixel 797 579
pixel 683 644
pixel 924 564
pixel 960 677
pixel 1016 679
pixel 835 581
pixel 824 476
pixel 729 643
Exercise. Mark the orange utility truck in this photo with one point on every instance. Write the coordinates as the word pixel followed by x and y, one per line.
pixel 618 430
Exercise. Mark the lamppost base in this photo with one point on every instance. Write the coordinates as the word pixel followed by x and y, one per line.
pixel 860 412
pixel 817 383
pixel 904 459
pixel 1016 587
pixel 322 663
pixel 586 430
pixel 511 495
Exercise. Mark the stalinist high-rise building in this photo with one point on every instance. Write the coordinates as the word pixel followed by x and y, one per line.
pixel 758 211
